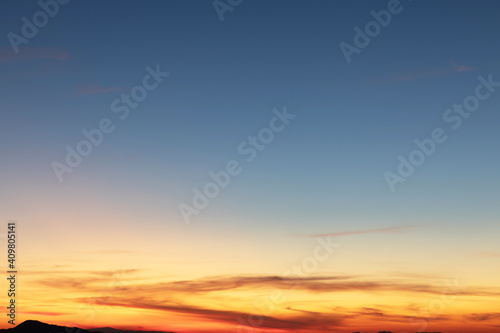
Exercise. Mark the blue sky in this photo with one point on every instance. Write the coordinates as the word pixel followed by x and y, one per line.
pixel 226 77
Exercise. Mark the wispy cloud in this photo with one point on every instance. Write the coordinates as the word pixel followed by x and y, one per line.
pixel 45 313
pixel 114 252
pixel 488 254
pixel 310 321
pixel 416 75
pixel 460 68
pixel 483 316
pixel 79 272
pixel 312 284
pixel 130 157
pixel 195 297
pixel 375 314
pixel 7 55
pixel 367 231
pixel 413 75
pixel 115 273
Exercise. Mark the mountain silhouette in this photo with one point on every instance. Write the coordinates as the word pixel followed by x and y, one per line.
pixel 35 326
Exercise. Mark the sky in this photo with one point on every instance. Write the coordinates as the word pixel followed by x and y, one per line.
pixel 252 166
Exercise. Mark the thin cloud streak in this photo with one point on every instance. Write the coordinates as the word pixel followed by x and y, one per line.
pixel 460 68
pixel 483 316
pixel 413 75
pixel 311 321
pixel 488 254
pixel 315 284
pixel 368 231
pixel 7 55
pixel 44 313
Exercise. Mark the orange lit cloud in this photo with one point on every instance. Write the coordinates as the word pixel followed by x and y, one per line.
pixel 483 316
pixel 221 300
pixel 314 284
pixel 311 321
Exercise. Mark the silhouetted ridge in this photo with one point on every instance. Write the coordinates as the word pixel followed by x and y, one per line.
pixel 35 326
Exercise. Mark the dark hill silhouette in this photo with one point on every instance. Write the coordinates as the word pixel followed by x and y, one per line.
pixel 35 326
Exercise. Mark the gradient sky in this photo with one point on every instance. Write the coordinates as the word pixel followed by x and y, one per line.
pixel 108 245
